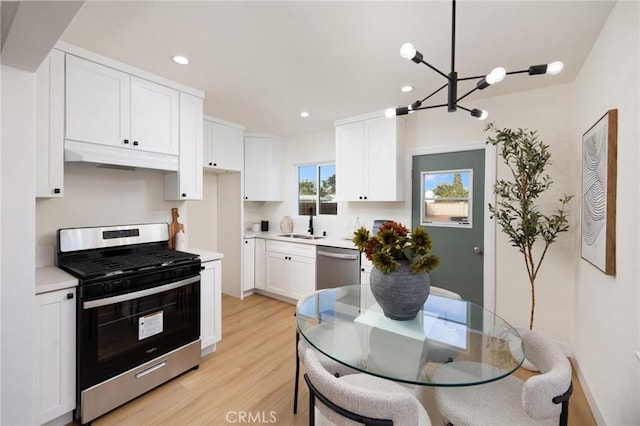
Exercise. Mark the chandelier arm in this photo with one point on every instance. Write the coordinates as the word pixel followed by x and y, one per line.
pixel 517 72
pixel 430 107
pixel 476 77
pixel 434 92
pixel 466 94
pixel 466 109
pixel 435 69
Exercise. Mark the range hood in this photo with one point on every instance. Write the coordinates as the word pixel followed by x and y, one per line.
pixel 75 151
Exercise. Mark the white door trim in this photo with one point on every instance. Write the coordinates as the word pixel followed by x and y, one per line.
pixel 489 250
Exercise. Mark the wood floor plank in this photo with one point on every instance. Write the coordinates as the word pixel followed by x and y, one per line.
pixel 250 377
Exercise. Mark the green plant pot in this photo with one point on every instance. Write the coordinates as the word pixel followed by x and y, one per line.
pixel 400 294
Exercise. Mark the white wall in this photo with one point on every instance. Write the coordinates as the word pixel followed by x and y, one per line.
pixel 97 196
pixel 607 309
pixel 17 266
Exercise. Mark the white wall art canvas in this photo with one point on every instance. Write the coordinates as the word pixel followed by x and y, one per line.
pixel 599 159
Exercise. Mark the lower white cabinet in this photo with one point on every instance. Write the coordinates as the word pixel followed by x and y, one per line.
pixel 365 269
pixel 259 273
pixel 55 354
pixel 211 305
pixel 248 265
pixel 290 269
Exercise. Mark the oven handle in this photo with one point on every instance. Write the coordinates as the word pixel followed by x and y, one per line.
pixel 138 294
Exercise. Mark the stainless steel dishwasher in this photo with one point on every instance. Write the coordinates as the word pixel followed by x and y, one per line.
pixel 337 267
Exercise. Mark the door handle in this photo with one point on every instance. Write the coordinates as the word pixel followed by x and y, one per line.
pixel 477 250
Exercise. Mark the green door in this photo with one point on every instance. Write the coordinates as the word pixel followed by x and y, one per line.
pixel 448 200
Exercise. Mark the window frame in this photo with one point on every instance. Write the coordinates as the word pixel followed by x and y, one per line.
pixel 318 165
pixel 423 200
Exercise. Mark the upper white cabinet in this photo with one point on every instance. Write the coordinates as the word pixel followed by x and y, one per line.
pixel 155 117
pixel 55 354
pixel 370 158
pixel 223 145
pixel 263 168
pixel 50 126
pixel 110 107
pixel 187 183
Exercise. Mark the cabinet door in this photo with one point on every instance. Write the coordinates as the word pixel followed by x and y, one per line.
pixel 226 147
pixel 248 265
pixel 155 117
pixel 277 266
pixel 97 103
pixel 210 304
pixel 50 126
pixel 263 168
pixel 55 353
pixel 187 183
pixel 302 275
pixel 381 165
pixel 259 264
pixel 350 160
pixel 255 168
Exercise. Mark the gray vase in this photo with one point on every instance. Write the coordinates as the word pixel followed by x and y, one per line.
pixel 400 294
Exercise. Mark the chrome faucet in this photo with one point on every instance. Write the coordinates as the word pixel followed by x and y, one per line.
pixel 310 221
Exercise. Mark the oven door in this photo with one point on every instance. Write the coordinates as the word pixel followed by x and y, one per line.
pixel 120 332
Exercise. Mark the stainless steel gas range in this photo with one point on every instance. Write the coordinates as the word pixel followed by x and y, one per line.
pixel 138 321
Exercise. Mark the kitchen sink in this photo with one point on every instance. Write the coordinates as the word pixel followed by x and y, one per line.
pixel 301 236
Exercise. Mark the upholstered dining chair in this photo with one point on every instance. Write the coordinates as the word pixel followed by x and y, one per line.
pixel 540 400
pixel 439 291
pixel 360 398
pixel 334 367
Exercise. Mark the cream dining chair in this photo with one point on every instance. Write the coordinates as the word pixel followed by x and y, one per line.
pixel 359 399
pixel 540 400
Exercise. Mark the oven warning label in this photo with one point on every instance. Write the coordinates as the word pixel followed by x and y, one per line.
pixel 149 325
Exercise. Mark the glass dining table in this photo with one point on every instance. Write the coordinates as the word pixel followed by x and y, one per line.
pixel 468 344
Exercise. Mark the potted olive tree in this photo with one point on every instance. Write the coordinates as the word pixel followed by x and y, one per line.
pixel 516 210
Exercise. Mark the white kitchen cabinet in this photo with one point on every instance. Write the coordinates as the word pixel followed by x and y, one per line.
pixel 210 305
pixel 290 269
pixel 365 269
pixel 156 114
pixel 248 264
pixel 223 145
pixel 260 265
pixel 370 158
pixel 50 126
pixel 187 183
pixel 55 354
pixel 263 168
pixel 109 107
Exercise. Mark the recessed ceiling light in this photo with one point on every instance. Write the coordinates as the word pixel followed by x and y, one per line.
pixel 304 114
pixel 406 88
pixel 180 60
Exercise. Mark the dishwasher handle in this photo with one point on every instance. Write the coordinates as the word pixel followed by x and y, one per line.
pixel 337 255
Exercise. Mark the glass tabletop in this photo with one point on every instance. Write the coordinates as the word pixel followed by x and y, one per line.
pixel 451 342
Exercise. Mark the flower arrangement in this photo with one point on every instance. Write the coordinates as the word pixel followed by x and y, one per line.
pixel 393 244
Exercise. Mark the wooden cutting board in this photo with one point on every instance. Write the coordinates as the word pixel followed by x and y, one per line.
pixel 174 227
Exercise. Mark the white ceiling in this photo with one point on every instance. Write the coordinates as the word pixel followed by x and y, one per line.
pixel 261 63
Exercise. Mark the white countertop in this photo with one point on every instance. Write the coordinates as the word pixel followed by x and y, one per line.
pixel 205 256
pixel 52 278
pixel 329 241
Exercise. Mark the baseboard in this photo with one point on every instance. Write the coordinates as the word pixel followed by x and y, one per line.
pixel 587 393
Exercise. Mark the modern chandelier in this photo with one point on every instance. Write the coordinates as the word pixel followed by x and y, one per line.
pixel 495 76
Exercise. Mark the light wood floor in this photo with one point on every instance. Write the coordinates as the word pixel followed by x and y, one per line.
pixel 249 379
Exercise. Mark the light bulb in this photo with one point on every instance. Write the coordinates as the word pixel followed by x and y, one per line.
pixel 555 68
pixel 496 75
pixel 407 51
pixel 480 114
pixel 390 112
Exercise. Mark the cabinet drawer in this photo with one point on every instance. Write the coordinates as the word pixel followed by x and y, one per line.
pixel 306 250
